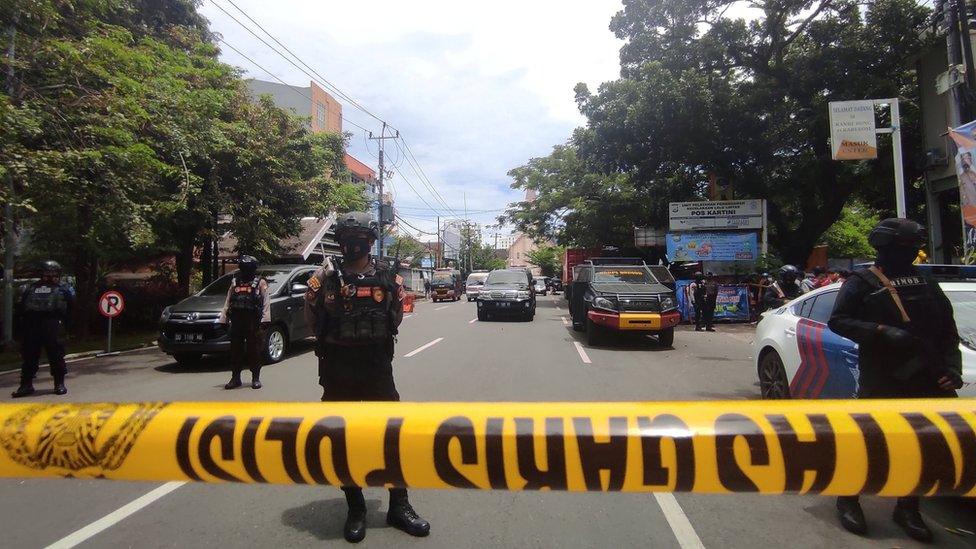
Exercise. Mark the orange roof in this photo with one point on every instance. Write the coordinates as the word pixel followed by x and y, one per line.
pixel 361 170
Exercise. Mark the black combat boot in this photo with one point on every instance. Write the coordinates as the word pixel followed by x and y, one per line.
pixel 235 381
pixel 851 516
pixel 26 389
pixel 355 529
pixel 907 516
pixel 402 516
pixel 256 380
pixel 59 388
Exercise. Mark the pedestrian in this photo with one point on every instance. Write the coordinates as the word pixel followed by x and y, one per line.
pixel 356 305
pixel 811 280
pixel 697 291
pixel 831 277
pixel 42 312
pixel 908 345
pixel 711 297
pixel 427 288
pixel 248 308
pixel 780 291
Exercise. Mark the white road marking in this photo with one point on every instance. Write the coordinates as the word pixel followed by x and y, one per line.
pixel 440 308
pixel 422 347
pixel 565 321
pixel 557 308
pixel 113 518
pixel 582 353
pixel 408 316
pixel 684 532
pixel 472 321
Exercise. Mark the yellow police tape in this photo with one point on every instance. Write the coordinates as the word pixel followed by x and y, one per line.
pixel 891 447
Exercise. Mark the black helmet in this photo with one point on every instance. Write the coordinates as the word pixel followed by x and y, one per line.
pixel 248 265
pixel 49 266
pixel 356 222
pixel 699 275
pixel 897 231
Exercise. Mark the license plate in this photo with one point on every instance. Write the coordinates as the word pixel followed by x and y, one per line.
pixel 504 304
pixel 188 338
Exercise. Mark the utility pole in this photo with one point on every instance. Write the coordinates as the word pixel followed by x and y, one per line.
pixel 957 100
pixel 9 238
pixel 379 209
pixel 437 260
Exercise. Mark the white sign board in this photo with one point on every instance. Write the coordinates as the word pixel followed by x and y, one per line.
pixel 852 135
pixel 723 214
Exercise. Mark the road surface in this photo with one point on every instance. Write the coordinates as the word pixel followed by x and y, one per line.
pixel 444 355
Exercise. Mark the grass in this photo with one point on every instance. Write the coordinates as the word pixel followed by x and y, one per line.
pixel 10 358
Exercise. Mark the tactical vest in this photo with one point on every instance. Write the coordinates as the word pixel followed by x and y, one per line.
pixel 41 298
pixel 361 309
pixel 246 296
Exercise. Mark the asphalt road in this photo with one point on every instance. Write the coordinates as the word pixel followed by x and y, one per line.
pixel 475 361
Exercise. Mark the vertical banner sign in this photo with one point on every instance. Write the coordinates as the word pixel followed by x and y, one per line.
pixel 852 131
pixel 965 139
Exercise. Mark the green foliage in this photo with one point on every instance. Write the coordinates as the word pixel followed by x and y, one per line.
pixel 848 236
pixel 701 93
pixel 407 247
pixel 548 258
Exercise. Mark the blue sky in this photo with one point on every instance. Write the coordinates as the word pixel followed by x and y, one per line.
pixel 475 89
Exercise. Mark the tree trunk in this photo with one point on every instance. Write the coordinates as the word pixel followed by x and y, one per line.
pixel 184 264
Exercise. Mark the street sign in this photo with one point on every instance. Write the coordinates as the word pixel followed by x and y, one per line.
pixel 951 78
pixel 426 263
pixel 646 237
pixel 726 214
pixel 852 130
pixel 111 304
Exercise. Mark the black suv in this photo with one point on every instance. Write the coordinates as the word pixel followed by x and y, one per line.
pixel 189 329
pixel 507 292
pixel 623 294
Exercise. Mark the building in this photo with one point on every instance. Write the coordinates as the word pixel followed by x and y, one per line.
pixel 518 253
pixel 503 241
pixel 941 184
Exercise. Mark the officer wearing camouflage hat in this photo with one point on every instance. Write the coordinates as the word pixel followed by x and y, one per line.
pixel 908 345
pixel 356 305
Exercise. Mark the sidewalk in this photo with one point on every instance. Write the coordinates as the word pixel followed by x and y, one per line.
pixel 79 349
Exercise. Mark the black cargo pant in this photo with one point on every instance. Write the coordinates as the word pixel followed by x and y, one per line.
pixel 42 333
pixel 359 373
pixel 245 342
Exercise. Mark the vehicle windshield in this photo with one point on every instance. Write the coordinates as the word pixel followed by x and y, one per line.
pixel 443 277
pixel 964 311
pixel 630 275
pixel 477 279
pixel 220 286
pixel 506 277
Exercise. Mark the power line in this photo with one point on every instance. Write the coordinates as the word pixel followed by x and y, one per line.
pixel 418 170
pixel 401 220
pixel 332 86
pixel 289 86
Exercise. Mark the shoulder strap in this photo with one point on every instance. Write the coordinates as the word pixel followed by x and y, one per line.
pixel 891 290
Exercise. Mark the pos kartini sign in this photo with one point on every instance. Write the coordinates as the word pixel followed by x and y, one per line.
pixel 965 139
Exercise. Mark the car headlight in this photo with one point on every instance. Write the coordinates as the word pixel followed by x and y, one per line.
pixel 668 303
pixel 603 303
pixel 482 294
pixel 165 315
pixel 522 295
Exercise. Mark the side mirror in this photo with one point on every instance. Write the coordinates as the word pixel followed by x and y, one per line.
pixel 298 289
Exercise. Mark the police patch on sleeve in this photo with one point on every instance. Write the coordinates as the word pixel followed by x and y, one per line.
pixel 399 280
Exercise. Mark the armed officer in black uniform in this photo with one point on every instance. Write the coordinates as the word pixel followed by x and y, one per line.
pixel 908 342
pixel 356 306
pixel 248 308
pixel 42 312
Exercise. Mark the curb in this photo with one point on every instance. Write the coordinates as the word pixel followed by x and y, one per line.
pixel 77 357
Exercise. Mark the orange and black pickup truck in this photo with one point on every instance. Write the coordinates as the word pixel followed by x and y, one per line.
pixel 623 294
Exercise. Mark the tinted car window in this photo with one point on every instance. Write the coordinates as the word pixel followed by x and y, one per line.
pixel 803 308
pixel 633 275
pixel 964 311
pixel 507 277
pixel 302 277
pixel 275 279
pixel 822 307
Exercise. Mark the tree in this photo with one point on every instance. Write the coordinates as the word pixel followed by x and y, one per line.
pixel 848 236
pixel 409 248
pixel 548 258
pixel 702 94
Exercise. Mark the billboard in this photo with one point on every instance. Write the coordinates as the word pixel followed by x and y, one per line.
pixel 852 135
pixel 965 139
pixel 721 246
pixel 725 214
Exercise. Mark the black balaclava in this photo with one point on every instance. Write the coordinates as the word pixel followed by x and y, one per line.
pixel 355 246
pixel 895 260
pixel 897 241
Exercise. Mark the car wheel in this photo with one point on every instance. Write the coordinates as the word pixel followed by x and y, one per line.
pixel 482 316
pixel 187 359
pixel 594 333
pixel 275 344
pixel 772 377
pixel 665 338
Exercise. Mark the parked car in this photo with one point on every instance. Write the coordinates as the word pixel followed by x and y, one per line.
pixel 556 284
pixel 541 288
pixel 473 285
pixel 507 292
pixel 799 356
pixel 189 329
pixel 621 294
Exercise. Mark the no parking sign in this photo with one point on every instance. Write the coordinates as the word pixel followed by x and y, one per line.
pixel 111 304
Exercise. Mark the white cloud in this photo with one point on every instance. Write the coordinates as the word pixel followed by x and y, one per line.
pixel 476 89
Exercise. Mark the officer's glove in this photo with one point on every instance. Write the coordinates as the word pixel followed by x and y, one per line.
pixel 896 337
pixel 950 380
